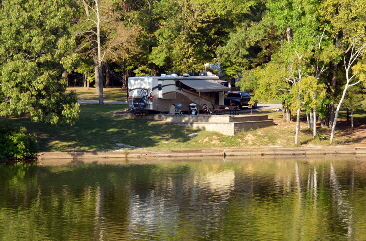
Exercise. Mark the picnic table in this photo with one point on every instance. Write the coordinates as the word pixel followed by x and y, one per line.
pixel 227 109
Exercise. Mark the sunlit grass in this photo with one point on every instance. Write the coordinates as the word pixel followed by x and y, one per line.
pixel 98 129
pixel 109 94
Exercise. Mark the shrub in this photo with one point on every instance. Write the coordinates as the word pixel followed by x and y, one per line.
pixel 17 144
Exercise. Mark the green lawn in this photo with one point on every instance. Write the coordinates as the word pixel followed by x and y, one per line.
pixel 97 129
pixel 111 94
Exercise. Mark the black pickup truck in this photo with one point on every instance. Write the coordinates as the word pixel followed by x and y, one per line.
pixel 239 99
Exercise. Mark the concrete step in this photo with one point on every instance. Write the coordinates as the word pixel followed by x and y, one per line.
pixel 227 128
pixel 225 124
pixel 205 118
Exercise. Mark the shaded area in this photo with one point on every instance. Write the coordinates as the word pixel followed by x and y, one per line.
pixel 97 129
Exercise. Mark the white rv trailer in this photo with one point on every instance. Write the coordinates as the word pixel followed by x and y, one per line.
pixel 161 93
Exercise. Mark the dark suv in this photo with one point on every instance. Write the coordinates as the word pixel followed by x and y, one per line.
pixel 239 99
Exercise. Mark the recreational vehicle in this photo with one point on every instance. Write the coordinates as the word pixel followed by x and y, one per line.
pixel 165 93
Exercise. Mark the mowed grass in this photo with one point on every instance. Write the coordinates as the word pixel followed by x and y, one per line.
pixel 99 130
pixel 110 94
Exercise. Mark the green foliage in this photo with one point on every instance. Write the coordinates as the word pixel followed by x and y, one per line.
pixel 35 41
pixel 191 31
pixel 307 93
pixel 142 71
pixel 320 136
pixel 355 97
pixel 272 82
pixel 16 143
pixel 345 16
pixel 359 69
pixel 249 81
pixel 249 44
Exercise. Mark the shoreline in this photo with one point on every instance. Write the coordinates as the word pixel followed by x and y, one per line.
pixel 99 157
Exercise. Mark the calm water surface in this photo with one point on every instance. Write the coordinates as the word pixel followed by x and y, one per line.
pixel 204 200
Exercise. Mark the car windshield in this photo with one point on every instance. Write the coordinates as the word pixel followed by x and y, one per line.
pixel 233 95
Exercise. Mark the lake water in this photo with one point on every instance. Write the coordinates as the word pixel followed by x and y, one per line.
pixel 177 200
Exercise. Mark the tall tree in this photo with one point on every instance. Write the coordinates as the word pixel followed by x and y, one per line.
pixel 129 30
pixel 190 31
pixel 306 94
pixel 301 53
pixel 347 19
pixel 35 46
pixel 178 40
pixel 103 35
pixel 93 21
pixel 250 42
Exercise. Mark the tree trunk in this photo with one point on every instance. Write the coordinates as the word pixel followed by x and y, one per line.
pixel 351 119
pixel 125 79
pixel 99 63
pixel 309 119
pixel 348 117
pixel 84 80
pixel 297 126
pixel 99 82
pixel 328 120
pixel 337 112
pixel 286 115
pixel 314 122
pixel 289 34
pixel 107 75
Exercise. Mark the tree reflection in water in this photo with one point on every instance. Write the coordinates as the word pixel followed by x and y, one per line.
pixel 210 200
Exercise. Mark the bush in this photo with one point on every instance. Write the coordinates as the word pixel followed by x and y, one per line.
pixel 17 144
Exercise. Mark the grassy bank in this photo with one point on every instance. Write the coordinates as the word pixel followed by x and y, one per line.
pixel 97 129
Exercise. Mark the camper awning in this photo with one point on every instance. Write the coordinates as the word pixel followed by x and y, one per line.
pixel 205 85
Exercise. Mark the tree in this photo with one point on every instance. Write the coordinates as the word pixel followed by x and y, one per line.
pixel 352 54
pixel 190 31
pixel 103 35
pixel 35 47
pixel 178 38
pixel 250 43
pixel 347 19
pixel 93 24
pixel 303 53
pixel 354 99
pixel 307 94
pixel 128 29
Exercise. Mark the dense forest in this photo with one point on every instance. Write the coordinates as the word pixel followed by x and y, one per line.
pixel 307 54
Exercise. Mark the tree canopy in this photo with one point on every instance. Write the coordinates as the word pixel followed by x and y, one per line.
pixel 35 43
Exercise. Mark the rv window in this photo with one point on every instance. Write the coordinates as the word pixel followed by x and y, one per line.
pixel 160 87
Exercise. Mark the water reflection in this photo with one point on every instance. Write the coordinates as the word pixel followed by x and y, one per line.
pixel 210 200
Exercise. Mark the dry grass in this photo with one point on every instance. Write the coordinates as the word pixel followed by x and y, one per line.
pixel 110 94
pixel 283 135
